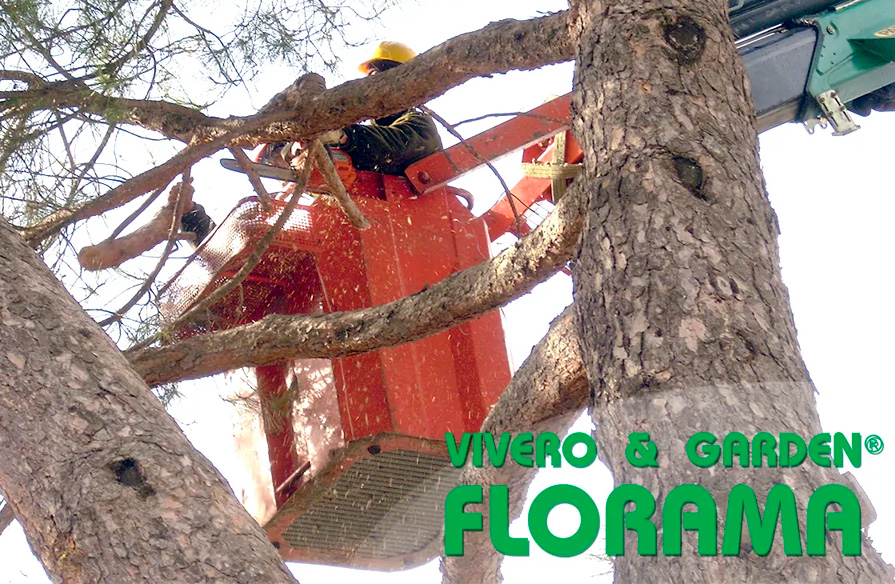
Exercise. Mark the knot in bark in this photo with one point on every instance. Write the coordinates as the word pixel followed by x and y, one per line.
pixel 128 473
pixel 690 175
pixel 686 38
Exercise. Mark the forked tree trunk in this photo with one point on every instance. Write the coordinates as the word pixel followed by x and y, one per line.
pixel 685 322
pixel 105 484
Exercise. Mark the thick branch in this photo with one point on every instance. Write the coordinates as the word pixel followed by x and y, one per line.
pixel 156 178
pixel 184 192
pixel 497 48
pixel 30 78
pixel 458 298
pixel 98 471
pixel 159 177
pixel 170 119
pixel 551 382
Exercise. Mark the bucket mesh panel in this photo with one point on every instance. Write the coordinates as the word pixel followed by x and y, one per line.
pixel 388 505
pixel 289 257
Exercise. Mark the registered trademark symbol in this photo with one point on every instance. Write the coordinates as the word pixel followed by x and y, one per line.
pixel 874 444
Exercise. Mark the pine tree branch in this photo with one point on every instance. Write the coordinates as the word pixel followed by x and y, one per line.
pixel 155 178
pixel 497 48
pixel 163 8
pixel 114 251
pixel 182 200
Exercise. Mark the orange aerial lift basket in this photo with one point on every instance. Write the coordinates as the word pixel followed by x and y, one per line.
pixel 374 497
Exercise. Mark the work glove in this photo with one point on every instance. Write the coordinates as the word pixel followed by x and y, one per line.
pixel 331 138
pixel 334 137
pixel 197 221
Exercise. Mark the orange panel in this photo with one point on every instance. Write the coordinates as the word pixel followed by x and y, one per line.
pixel 421 226
pixel 362 396
pixel 438 385
pixel 425 254
pixel 277 422
pixel 385 282
pixel 359 379
pixel 403 387
pixel 480 355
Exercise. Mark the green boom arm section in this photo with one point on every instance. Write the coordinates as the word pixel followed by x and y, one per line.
pixel 854 56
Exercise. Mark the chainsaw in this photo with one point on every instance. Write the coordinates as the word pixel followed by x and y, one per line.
pixel 262 167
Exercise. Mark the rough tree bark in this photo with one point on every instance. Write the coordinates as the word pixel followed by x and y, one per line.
pixel 103 481
pixel 684 322
pixel 684 319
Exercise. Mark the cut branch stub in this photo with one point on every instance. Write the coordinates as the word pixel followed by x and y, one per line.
pixel 690 174
pixel 129 473
pixel 114 252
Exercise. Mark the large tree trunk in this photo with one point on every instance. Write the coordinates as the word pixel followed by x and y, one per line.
pixel 684 319
pixel 105 484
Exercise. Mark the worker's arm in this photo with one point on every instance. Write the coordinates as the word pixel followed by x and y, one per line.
pixel 389 148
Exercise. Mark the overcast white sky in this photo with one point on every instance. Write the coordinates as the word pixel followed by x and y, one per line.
pixel 834 199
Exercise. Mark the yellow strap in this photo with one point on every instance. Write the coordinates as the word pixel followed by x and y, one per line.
pixel 550 170
pixel 558 170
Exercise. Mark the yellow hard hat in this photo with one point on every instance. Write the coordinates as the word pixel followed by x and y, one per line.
pixel 388 51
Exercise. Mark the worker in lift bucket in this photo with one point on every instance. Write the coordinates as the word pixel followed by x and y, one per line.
pixel 385 145
pixel 389 144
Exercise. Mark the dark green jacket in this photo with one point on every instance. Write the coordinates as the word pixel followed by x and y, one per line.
pixel 391 144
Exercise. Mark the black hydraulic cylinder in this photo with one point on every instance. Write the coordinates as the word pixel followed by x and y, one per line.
pixel 752 16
